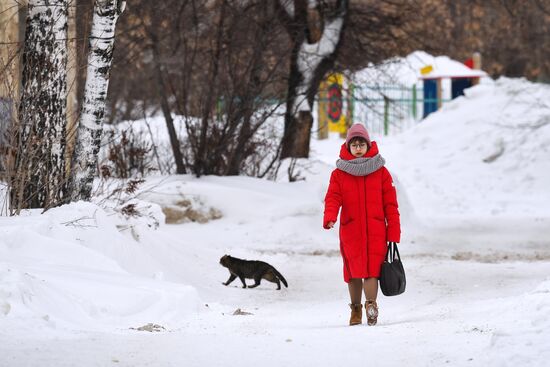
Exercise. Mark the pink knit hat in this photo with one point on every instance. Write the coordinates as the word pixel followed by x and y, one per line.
pixel 357 130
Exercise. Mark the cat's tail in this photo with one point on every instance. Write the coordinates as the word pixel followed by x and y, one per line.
pixel 280 276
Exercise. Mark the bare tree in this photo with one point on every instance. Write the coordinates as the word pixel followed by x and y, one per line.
pixel 153 30
pixel 219 66
pixel 90 125
pixel 39 173
pixel 315 29
pixel 246 70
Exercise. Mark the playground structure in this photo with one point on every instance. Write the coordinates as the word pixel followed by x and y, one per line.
pixel 461 76
pixel 392 100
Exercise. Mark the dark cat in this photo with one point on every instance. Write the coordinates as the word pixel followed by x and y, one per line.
pixel 251 269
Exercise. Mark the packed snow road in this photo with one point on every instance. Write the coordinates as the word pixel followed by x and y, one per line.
pixel 454 312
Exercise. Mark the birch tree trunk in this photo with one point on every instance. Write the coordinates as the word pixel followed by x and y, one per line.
pixel 90 125
pixel 39 180
pixel 72 85
pixel 316 37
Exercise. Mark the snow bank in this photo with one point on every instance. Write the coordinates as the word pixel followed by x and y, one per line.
pixel 477 173
pixel 482 155
pixel 63 269
pixel 279 209
pixel 472 178
pixel 520 336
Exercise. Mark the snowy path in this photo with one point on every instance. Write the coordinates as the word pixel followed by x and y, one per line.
pixel 455 313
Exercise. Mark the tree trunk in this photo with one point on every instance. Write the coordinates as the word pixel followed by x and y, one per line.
pixel 161 91
pixel 72 86
pixel 90 126
pixel 311 57
pixel 12 26
pixel 202 149
pixel 39 179
pixel 292 124
pixel 247 105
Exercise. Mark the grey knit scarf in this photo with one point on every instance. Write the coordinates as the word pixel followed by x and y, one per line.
pixel 361 166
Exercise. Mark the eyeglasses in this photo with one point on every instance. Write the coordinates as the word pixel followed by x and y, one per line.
pixel 358 146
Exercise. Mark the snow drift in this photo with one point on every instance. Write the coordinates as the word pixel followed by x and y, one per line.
pixel 63 269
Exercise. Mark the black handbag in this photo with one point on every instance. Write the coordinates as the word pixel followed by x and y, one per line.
pixel 392 275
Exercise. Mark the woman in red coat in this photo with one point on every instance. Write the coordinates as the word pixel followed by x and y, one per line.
pixel 363 188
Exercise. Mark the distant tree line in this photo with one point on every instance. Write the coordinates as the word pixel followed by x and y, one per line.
pixel 511 35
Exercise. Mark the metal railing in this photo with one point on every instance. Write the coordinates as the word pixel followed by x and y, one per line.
pixel 387 109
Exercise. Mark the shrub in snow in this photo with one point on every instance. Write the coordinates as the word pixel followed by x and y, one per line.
pixel 129 154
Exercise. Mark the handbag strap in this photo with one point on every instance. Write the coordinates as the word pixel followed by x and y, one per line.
pixel 392 251
pixel 396 252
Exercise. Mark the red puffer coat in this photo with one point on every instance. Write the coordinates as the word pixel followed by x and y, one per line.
pixel 369 216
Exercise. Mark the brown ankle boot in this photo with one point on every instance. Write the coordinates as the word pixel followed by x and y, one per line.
pixel 371 309
pixel 356 314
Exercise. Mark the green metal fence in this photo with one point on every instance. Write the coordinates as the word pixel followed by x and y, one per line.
pixel 383 108
pixel 386 109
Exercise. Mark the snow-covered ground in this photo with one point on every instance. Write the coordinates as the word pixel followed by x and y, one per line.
pixel 77 282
